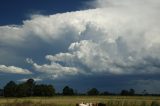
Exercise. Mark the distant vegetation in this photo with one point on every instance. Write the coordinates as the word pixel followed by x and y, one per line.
pixel 27 89
pixel 45 95
pixel 31 89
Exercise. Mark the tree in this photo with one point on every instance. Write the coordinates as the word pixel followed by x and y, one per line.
pixel 105 93
pixel 22 90
pixel 10 89
pixel 28 88
pixel 44 90
pixel 38 90
pixel 25 89
pixel 144 92
pixel 131 92
pixel 1 92
pixel 68 91
pixel 124 92
pixel 93 91
pixel 50 90
pixel 30 85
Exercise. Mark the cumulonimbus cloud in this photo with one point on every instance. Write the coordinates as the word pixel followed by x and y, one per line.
pixel 118 37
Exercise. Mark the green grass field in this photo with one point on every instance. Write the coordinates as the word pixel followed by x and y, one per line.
pixel 72 100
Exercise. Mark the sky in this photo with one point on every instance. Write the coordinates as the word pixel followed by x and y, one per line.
pixel 107 44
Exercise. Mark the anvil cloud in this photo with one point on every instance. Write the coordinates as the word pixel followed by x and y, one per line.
pixel 115 38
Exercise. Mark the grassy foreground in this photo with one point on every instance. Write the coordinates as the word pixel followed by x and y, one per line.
pixel 72 100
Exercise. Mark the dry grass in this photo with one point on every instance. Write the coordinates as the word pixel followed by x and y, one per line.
pixel 72 100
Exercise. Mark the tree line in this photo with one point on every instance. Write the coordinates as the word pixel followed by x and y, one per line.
pixel 30 88
pixel 26 89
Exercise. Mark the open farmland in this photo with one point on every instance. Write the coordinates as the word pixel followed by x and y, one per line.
pixel 72 100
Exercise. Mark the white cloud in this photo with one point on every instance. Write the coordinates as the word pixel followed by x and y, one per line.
pixel 54 70
pixel 118 37
pixel 35 79
pixel 30 61
pixel 126 3
pixel 13 69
